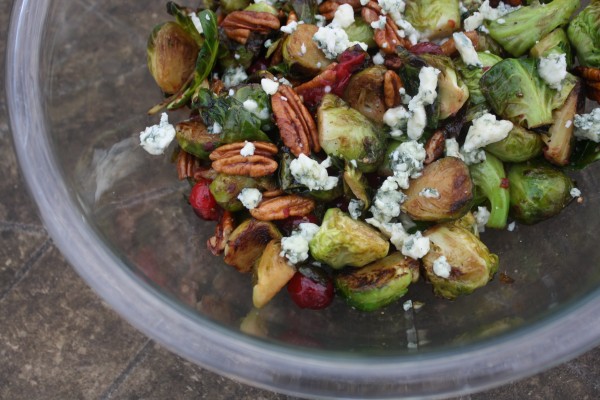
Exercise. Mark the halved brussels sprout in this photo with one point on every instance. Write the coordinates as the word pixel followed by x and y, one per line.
pixel 272 273
pixel 172 56
pixel 515 91
pixel 537 191
pixel 559 140
pixel 489 178
pixel 584 34
pixel 471 76
pixel 342 241
pixel 361 31
pixel 226 188
pixel 556 42
pixel 365 92
pixel 230 6
pixel 520 145
pixel 457 262
pixel 434 18
pixel 357 183
pixel 518 31
pixel 247 242
pixel 444 191
pixel 453 93
pixel 262 7
pixel 346 133
pixel 301 52
pixel 193 137
pixel 378 284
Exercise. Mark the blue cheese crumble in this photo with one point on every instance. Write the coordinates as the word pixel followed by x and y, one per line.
pixel 250 198
pixel 553 70
pixel 482 216
pixel 430 193
pixel 269 86
pixel 248 149
pixel 415 246
pixel 466 49
pixel 485 130
pixel 441 267
pixel 355 208
pixel 155 139
pixel 311 174
pixel 234 76
pixel 295 247
pixel 587 126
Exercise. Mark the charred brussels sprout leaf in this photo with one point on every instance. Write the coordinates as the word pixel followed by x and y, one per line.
pixel 522 28
pixel 453 93
pixel 247 242
pixel 348 134
pixel 357 184
pixel 444 191
pixel 194 138
pixel 520 145
pixel 457 262
pixel 342 241
pixel 271 274
pixel 515 91
pixel 379 283
pixel 171 56
pixel 584 34
pixel 301 53
pixel 555 42
pixel 365 92
pixel 434 18
pixel 537 191
pixel 488 176
pixel 559 140
pixel 471 76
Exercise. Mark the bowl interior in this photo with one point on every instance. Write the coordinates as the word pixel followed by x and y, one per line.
pixel 96 91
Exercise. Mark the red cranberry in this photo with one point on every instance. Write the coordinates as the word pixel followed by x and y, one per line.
pixel 203 202
pixel 311 288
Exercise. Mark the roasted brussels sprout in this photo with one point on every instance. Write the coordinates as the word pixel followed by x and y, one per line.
pixel 489 178
pixel 365 92
pixel 230 6
pixel 172 56
pixel 256 100
pixel 301 52
pixel 262 7
pixel 515 91
pixel 559 140
pixel 555 42
pixel 357 184
pixel 584 34
pixel 226 188
pixel 537 191
pixel 518 31
pixel 433 18
pixel 272 273
pixel 342 241
pixel 361 31
pixel 471 76
pixel 520 145
pixel 453 93
pixel 444 191
pixel 378 283
pixel 193 137
pixel 457 262
pixel 247 242
pixel 348 134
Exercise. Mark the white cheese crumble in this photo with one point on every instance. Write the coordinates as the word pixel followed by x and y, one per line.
pixel 575 192
pixel 250 197
pixel 568 124
pixel 248 149
pixel 311 174
pixel 441 267
pixel 378 59
pixel 415 246
pixel 216 128
pixel 302 49
pixel 430 193
pixel 511 227
pixel 320 20
pixel 295 247
pixel 196 21
pixel 485 130
pixel 355 208
pixel 156 138
pixel 466 49
pixel 452 148
pixel 387 200
pixel 234 76
pixel 269 86
pixel 472 157
pixel 482 216
pixel 332 40
pixel 587 126
pixel 250 105
pixel 231 92
pixel 344 16
pixel 553 70
pixel 487 12
pixel 268 43
pixel 289 28
pixel 380 23
pixel 407 161
pixel 407 305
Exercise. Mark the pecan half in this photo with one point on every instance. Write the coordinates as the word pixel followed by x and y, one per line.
pixel 233 149
pixel 253 166
pixel 449 46
pixel 238 25
pixel 216 244
pixel 329 7
pixel 272 193
pixel 186 165
pixel 392 83
pixel 297 128
pixel 387 38
pixel 283 207
pixel 434 148
pixel 588 73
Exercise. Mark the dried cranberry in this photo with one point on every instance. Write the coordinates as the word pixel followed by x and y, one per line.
pixel 202 201
pixel 311 288
pixel 426 48
pixel 349 62
pixel 504 183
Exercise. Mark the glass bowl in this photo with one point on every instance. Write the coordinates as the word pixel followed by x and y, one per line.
pixel 78 91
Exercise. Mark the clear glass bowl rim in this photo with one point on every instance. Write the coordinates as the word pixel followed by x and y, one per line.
pixel 549 342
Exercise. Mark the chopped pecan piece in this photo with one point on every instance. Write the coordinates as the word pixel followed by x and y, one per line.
pixel 186 165
pixel 297 128
pixel 282 207
pixel 216 244
pixel 233 149
pixel 387 38
pixel 253 166
pixel 449 47
pixel 238 25
pixel 588 73
pixel 329 7
pixel 434 148
pixel 392 83
pixel 272 193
